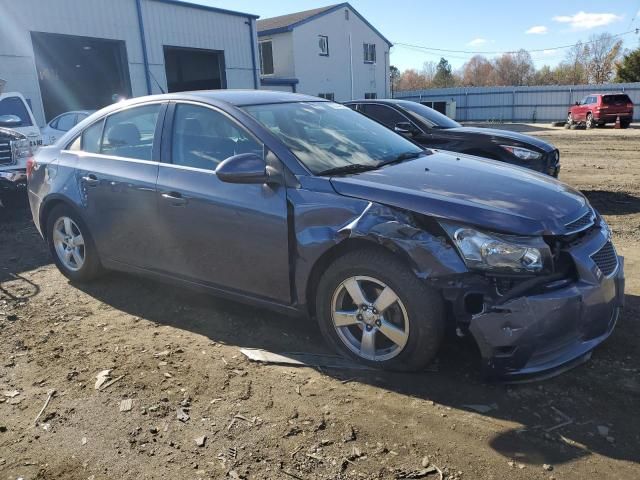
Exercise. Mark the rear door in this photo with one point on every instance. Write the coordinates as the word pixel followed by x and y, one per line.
pixel 230 236
pixel 117 171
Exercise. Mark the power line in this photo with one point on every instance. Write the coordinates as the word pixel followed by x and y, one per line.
pixel 475 52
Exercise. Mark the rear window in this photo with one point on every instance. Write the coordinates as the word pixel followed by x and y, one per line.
pixel 619 99
pixel 15 106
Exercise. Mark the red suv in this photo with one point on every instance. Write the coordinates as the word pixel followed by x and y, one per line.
pixel 600 108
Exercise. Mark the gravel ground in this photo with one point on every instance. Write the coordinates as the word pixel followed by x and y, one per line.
pixel 174 352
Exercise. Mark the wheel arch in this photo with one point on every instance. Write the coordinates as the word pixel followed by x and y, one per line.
pixel 333 253
pixel 47 207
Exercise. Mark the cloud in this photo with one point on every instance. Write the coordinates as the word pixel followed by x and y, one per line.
pixel 476 42
pixel 584 21
pixel 537 30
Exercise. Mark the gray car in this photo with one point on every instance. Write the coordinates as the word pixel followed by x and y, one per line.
pixel 304 206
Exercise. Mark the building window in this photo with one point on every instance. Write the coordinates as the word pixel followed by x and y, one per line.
pixel 370 96
pixel 323 44
pixel 327 96
pixel 266 57
pixel 369 53
pixel 346 14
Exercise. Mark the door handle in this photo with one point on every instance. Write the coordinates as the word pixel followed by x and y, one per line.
pixel 175 198
pixel 90 179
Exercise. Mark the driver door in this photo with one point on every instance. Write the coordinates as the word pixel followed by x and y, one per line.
pixel 225 235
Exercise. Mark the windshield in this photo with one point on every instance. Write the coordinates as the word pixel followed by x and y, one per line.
pixel 327 135
pixel 429 115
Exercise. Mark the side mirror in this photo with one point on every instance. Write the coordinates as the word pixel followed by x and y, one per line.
pixel 244 168
pixel 577 103
pixel 404 128
pixel 10 121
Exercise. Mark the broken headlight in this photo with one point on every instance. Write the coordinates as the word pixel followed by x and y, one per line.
pixel 21 149
pixel 496 252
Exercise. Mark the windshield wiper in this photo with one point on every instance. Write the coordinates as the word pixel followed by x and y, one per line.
pixel 351 168
pixel 402 157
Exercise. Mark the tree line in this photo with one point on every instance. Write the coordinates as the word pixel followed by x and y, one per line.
pixel 599 60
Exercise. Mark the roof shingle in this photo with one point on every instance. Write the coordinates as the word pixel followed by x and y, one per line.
pixel 284 21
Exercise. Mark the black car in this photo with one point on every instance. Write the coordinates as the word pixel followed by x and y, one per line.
pixel 304 206
pixel 432 129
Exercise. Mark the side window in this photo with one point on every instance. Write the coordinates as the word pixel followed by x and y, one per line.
pixel 369 53
pixel 202 138
pixel 266 57
pixel 130 133
pixel 66 122
pixel 323 45
pixel 15 106
pixel 91 138
pixel 385 115
pixel 584 101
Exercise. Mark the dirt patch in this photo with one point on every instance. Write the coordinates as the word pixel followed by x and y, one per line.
pixel 175 355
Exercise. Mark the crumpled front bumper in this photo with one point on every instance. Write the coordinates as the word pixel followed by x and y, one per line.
pixel 544 334
pixel 13 180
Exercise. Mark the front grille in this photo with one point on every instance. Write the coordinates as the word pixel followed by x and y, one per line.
pixel 5 153
pixel 606 259
pixel 581 223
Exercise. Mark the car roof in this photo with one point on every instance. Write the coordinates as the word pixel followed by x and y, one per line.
pixel 387 101
pixel 236 98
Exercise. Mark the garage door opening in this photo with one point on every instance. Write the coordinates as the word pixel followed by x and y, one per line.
pixel 194 69
pixel 79 73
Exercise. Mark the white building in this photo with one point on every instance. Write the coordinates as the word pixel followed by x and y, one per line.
pixel 81 54
pixel 333 52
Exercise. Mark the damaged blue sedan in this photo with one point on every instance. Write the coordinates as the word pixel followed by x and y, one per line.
pixel 304 206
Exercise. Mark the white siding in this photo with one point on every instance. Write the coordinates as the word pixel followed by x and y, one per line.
pixel 165 24
pixel 115 19
pixel 334 73
pixel 180 26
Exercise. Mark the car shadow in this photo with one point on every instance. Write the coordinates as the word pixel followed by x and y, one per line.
pixel 613 203
pixel 25 252
pixel 557 419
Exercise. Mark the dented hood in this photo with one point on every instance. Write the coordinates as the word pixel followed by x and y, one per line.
pixel 489 194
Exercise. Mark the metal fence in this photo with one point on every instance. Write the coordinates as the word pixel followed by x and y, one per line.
pixel 518 104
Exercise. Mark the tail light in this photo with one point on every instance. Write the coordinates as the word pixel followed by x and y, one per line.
pixel 31 166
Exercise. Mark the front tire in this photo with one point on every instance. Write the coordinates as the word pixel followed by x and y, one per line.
pixel 71 245
pixel 569 120
pixel 372 307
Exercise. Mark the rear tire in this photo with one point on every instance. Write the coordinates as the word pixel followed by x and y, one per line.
pixel 404 334
pixel 72 246
pixel 590 122
pixel 625 124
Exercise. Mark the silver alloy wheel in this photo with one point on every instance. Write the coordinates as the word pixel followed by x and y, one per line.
pixel 369 318
pixel 589 121
pixel 68 243
pixel 570 119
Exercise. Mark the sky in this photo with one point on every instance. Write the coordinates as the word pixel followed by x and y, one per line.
pixel 473 25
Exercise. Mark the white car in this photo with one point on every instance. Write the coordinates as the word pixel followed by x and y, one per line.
pixel 16 115
pixel 62 124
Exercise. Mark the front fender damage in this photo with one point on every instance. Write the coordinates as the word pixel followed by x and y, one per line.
pixel 423 247
pixel 429 254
